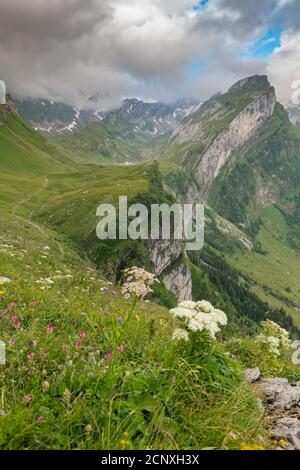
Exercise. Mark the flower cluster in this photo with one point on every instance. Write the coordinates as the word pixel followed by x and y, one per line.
pixel 45 283
pixel 4 280
pixel 180 335
pixel 137 282
pixel 48 282
pixel 271 342
pixel 198 316
pixel 12 251
pixel 275 330
pixel 274 337
pixel 252 447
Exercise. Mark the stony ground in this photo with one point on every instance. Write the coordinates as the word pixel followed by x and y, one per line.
pixel 281 403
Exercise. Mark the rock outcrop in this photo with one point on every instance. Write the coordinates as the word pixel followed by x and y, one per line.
pixel 179 281
pixel 252 375
pixel 280 394
pixel 283 402
pixel 168 258
pixel 7 108
pixel 240 130
pixel 163 253
pixel 281 406
pixel 11 106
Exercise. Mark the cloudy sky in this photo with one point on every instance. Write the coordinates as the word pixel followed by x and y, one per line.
pixel 96 52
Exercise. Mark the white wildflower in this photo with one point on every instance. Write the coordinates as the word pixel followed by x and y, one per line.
pixel 188 304
pixel 271 342
pixel 195 325
pixel 138 282
pixel 205 306
pixel 220 317
pixel 182 312
pixel 200 316
pixel 272 328
pixel 274 337
pixel 180 335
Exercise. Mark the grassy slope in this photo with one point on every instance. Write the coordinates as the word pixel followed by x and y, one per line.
pixel 277 271
pixel 147 396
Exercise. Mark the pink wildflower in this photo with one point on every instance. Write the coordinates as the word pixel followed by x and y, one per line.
pixel 108 356
pixel 27 398
pixel 78 344
pixel 50 328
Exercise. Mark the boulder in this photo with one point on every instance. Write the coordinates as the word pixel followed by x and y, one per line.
pixel 252 375
pixel 280 394
pixel 288 429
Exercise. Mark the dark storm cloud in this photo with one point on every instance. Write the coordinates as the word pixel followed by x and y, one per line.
pixel 70 50
pixel 42 20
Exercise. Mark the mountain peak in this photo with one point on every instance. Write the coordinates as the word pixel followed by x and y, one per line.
pixel 259 82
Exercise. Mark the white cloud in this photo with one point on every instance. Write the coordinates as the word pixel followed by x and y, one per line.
pixel 284 66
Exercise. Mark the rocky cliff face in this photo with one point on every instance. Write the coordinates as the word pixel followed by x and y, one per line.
pixel 10 106
pixel 223 125
pixel 240 130
pixel 179 282
pixel 169 263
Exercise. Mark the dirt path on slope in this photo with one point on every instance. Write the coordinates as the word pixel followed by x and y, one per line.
pixel 29 222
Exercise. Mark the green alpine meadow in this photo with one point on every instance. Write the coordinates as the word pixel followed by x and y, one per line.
pixel 140 342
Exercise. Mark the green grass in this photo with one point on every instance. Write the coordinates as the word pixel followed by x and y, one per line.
pixel 147 396
pixel 90 381
pixel 84 390
pixel 279 268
